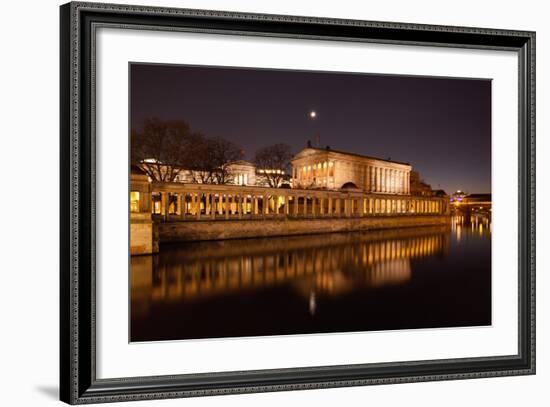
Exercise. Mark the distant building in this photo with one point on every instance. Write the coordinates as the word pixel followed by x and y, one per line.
pixel 324 168
pixel 242 173
pixel 239 172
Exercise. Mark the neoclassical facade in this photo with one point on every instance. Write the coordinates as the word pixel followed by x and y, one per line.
pixel 324 168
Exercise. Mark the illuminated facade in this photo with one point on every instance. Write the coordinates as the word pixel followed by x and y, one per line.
pixel 318 168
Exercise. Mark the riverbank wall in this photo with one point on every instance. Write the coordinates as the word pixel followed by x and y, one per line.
pixel 202 230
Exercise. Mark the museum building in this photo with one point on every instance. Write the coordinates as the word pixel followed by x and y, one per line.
pixel 324 168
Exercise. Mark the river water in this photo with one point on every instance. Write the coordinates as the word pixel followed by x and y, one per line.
pixel 426 277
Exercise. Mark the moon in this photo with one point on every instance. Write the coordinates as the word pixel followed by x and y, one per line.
pixel 313 114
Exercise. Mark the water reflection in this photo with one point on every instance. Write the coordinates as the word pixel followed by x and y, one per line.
pixel 294 284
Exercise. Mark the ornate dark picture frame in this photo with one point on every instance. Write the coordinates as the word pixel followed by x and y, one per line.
pixel 78 381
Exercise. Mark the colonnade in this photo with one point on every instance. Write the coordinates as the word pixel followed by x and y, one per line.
pixel 191 202
pixel 368 177
pixel 387 180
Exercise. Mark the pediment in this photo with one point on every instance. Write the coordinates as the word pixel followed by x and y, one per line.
pixel 310 152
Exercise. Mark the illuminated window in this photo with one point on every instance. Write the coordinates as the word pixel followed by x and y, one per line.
pixel 134 201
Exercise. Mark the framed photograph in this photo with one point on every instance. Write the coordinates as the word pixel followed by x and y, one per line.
pixel 255 203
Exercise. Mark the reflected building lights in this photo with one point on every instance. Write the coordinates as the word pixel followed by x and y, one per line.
pixel 317 265
pixel 312 303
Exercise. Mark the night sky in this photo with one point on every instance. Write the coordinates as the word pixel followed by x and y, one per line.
pixel 441 126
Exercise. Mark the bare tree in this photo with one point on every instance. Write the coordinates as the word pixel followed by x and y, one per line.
pixel 166 148
pixel 163 148
pixel 272 162
pixel 224 152
pixel 203 168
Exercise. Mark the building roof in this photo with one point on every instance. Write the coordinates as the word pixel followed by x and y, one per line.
pixel 479 197
pixel 242 162
pixel 330 150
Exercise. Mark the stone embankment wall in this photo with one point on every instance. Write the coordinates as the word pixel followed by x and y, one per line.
pixel 235 229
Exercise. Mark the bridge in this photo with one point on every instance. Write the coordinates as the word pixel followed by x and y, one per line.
pixel 473 205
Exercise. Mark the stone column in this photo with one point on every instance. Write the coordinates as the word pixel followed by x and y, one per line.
pixel 226 206
pixel 398 182
pixel 266 205
pixel 180 206
pixel 372 179
pixel 313 205
pixel 305 205
pixel 287 205
pixel 198 203
pixel 194 204
pixel 321 205
pixel 207 207
pixel 296 199
pixel 255 205
pixel 329 206
pixel 163 208
pixel 338 207
pixel 213 206
pixel 240 206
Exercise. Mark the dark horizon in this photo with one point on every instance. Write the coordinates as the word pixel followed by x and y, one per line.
pixel 441 126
